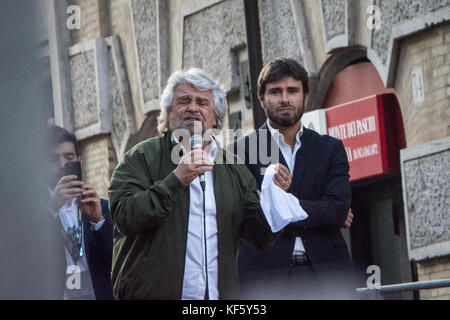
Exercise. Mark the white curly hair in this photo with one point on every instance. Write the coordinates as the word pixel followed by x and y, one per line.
pixel 201 80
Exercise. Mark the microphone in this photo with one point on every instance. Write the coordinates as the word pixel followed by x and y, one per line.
pixel 197 143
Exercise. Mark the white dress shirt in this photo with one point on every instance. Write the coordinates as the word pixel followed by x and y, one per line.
pixel 68 216
pixel 286 150
pixel 289 155
pixel 194 280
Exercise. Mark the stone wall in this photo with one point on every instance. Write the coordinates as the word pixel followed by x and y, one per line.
pixel 394 13
pixel 426 189
pixel 99 161
pixel 429 50
pixel 145 24
pixel 92 24
pixel 91 94
pixel 334 16
pixel 434 269
pixel 278 34
pixel 399 19
pixel 121 25
pixel 84 102
pixel 123 113
pixel 315 31
pixel 210 36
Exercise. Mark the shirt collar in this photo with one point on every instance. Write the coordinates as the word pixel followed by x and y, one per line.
pixel 279 136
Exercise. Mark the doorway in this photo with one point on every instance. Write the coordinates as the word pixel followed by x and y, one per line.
pixel 378 233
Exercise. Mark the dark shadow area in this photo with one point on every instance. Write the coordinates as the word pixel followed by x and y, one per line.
pixel 27 242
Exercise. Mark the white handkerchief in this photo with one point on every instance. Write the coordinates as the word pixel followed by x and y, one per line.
pixel 279 207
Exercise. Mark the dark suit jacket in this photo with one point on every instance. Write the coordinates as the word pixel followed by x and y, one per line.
pixel 98 250
pixel 98 246
pixel 321 183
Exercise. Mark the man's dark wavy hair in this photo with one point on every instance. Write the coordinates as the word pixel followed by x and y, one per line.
pixel 57 135
pixel 280 68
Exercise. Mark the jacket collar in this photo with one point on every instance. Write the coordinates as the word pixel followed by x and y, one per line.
pixel 302 157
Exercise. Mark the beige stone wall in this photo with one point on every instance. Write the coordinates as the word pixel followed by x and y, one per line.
pixel 102 18
pixel 120 20
pixel 362 32
pixel 99 162
pixel 434 269
pixel 315 27
pixel 93 18
pixel 97 153
pixel 429 120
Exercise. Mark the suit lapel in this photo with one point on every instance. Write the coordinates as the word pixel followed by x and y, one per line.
pixel 86 235
pixel 301 161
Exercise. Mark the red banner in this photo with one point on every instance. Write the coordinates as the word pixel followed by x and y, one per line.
pixel 369 130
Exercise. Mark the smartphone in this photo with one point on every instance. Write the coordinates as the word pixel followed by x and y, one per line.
pixel 73 168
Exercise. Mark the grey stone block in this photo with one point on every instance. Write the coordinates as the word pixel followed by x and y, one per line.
pixel 334 18
pixel 90 89
pixel 101 96
pixel 278 33
pixel 210 36
pixel 84 102
pixel 426 196
pixel 145 26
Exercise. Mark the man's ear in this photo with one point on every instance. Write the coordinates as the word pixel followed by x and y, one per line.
pixel 261 101
pixel 81 161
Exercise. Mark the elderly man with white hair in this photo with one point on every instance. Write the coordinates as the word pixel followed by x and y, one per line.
pixel 174 238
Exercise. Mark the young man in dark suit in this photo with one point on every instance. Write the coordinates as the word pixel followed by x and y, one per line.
pixel 310 260
pixel 84 222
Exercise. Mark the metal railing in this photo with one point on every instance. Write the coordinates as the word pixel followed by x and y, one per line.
pixel 402 287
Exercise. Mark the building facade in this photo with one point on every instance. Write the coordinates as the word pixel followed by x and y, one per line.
pixel 110 60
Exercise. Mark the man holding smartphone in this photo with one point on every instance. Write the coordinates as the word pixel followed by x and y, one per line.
pixel 83 219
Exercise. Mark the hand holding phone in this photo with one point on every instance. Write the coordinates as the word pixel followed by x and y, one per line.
pixel 67 187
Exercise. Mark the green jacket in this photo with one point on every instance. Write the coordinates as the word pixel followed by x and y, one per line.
pixel 150 209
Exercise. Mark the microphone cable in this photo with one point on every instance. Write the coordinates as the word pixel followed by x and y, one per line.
pixel 202 183
pixel 196 142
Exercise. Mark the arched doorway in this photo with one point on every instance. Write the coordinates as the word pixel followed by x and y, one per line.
pixel 356 81
pixel 377 236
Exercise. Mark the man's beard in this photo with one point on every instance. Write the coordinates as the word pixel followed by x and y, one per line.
pixel 285 122
pixel 198 127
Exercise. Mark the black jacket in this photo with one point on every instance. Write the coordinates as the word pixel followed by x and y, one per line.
pixel 321 183
pixel 98 246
